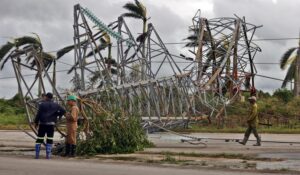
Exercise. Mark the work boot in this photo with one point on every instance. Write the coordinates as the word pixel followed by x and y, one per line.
pixel 258 143
pixel 244 141
pixel 48 150
pixel 67 152
pixel 73 150
pixel 37 150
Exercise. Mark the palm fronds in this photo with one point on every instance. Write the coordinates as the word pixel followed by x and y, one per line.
pixel 284 61
pixel 96 50
pixel 136 10
pixel 5 49
pixel 64 51
pixel 132 15
pixel 27 40
pixel 290 75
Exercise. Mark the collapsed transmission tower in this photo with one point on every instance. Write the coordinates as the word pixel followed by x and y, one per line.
pixel 163 91
pixel 169 93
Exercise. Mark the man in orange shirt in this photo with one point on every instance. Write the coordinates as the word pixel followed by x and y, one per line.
pixel 71 117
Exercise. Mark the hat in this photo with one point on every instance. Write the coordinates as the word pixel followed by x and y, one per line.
pixel 252 98
pixel 71 97
pixel 49 95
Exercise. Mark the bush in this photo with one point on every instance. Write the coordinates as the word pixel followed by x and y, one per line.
pixel 284 95
pixel 116 135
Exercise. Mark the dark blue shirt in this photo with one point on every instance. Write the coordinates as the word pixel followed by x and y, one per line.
pixel 48 112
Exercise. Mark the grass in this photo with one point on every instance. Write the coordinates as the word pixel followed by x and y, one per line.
pixel 11 122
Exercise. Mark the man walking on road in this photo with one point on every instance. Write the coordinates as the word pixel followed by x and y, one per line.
pixel 252 122
pixel 45 120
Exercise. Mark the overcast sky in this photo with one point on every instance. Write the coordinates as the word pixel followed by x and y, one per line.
pixel 53 20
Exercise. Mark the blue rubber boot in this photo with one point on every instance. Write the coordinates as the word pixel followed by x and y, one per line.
pixel 37 150
pixel 48 150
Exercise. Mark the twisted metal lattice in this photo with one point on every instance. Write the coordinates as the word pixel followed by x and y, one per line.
pixel 144 78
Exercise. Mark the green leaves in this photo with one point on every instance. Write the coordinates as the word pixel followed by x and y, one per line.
pixel 64 50
pixel 290 75
pixel 289 59
pixel 136 10
pixel 27 40
pixel 5 49
pixel 284 61
pixel 114 135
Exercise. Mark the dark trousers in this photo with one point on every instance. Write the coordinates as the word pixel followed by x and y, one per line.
pixel 253 130
pixel 43 130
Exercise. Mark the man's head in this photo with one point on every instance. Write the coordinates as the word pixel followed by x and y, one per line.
pixel 49 96
pixel 71 99
pixel 44 97
pixel 252 99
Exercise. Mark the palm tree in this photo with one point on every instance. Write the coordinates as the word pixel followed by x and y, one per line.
pixel 7 49
pixel 105 42
pixel 289 60
pixel 138 10
pixel 18 45
pixel 193 38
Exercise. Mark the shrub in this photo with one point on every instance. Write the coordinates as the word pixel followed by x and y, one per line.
pixel 114 134
pixel 284 95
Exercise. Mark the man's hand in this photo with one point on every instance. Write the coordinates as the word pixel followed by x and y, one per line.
pixel 68 115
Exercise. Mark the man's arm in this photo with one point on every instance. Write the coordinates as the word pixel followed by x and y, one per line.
pixel 61 111
pixel 38 116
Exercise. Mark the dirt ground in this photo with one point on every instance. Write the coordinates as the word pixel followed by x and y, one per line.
pixel 219 152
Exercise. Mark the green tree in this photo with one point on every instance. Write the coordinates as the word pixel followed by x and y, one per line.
pixel 283 94
pixel 289 61
pixel 18 46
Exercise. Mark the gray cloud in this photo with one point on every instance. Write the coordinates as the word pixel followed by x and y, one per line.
pixel 53 21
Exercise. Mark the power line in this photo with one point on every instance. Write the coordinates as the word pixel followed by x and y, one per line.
pixel 66 70
pixel 182 43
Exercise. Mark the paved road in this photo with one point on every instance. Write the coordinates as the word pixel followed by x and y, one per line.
pixel 24 166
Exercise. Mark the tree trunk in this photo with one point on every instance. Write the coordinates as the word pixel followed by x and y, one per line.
pixel 143 67
pixel 54 77
pixel 297 76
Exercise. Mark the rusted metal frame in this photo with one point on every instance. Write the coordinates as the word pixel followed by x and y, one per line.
pixel 249 53
pixel 235 56
pixel 213 47
pixel 228 53
pixel 199 50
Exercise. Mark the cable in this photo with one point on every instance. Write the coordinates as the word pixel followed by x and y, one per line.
pixel 181 43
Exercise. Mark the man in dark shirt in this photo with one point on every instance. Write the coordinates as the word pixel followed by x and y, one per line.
pixel 45 119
